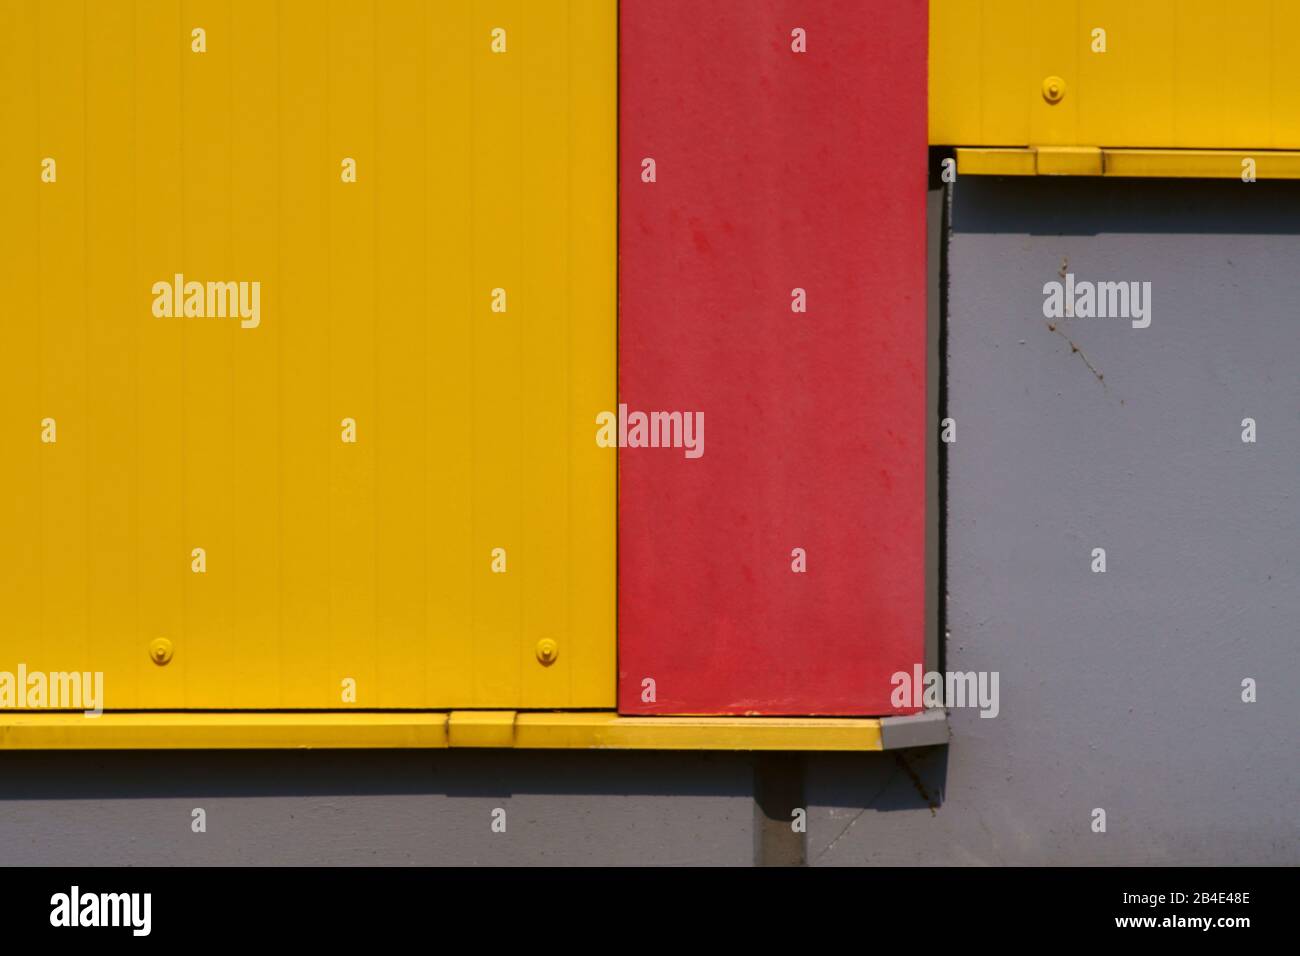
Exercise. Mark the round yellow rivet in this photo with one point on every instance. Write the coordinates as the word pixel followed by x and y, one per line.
pixel 160 650
pixel 1053 89
pixel 547 651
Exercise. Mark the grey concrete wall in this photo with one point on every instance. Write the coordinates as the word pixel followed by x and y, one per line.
pixel 378 808
pixel 1119 690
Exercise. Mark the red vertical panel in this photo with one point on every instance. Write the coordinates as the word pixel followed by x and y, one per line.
pixel 774 170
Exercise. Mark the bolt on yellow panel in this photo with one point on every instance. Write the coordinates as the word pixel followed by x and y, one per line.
pixel 1156 73
pixel 311 308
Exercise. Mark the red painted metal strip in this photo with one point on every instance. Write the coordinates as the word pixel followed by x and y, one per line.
pixel 774 170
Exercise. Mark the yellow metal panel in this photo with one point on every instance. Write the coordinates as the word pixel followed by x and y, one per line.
pixel 1175 73
pixel 322 560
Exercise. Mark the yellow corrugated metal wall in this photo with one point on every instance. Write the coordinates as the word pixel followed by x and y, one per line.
pixel 326 560
pixel 1209 74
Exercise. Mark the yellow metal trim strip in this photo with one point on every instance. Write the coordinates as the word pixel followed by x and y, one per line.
pixel 1201 163
pixel 1140 163
pixel 481 728
pixel 244 731
pixel 980 161
pixel 496 729
pixel 599 731
pixel 1069 161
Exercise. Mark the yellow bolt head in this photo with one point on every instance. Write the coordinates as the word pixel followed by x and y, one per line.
pixel 160 650
pixel 547 651
pixel 1053 89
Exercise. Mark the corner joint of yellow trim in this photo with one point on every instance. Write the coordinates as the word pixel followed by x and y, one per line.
pixel 1069 161
pixel 481 728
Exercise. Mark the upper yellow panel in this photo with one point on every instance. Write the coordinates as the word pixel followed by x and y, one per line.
pixel 379 465
pixel 1207 74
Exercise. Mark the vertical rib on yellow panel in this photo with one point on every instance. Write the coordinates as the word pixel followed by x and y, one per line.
pixel 208 439
pixel 542 554
pixel 401 343
pixel 307 428
pixel 350 122
pixel 63 311
pixel 255 556
pixel 1006 100
pixel 592 346
pixel 1058 42
pixel 161 546
pixel 321 307
pixel 500 306
pixel 449 320
pixel 1126 93
pixel 1244 94
pixel 955 59
pixel 22 408
pixel 112 318
pixel 1283 90
pixel 1198 51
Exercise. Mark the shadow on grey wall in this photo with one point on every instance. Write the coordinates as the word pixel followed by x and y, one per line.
pixel 461 773
pixel 908 778
pixel 911 779
pixel 1079 206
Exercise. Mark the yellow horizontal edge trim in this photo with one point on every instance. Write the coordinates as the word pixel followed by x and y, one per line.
pixel 610 731
pixel 1201 163
pixel 982 161
pixel 1133 163
pixel 1069 161
pixel 481 728
pixel 251 731
pixel 496 729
